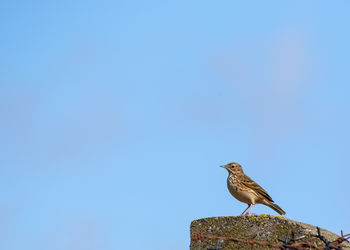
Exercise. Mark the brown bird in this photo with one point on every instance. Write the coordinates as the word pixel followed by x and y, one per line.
pixel 246 190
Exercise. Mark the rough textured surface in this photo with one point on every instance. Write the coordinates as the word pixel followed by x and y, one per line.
pixel 260 227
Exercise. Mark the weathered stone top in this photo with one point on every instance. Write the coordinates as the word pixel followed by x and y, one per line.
pixel 262 227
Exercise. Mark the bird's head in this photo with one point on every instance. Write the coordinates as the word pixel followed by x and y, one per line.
pixel 233 168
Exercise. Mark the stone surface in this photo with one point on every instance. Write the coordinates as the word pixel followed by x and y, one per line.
pixel 260 227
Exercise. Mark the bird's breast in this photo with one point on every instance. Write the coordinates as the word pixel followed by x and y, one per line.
pixel 239 192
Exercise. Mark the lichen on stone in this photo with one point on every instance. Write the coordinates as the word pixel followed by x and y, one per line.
pixel 262 227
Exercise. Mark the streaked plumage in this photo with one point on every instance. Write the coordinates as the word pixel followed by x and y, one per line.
pixel 246 190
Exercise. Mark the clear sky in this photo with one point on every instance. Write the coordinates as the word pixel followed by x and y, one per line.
pixel 116 115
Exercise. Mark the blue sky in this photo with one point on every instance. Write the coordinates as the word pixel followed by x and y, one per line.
pixel 116 115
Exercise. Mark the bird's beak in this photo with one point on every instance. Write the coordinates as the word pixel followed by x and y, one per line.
pixel 223 166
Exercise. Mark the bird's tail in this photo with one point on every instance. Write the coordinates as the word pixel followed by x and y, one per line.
pixel 276 208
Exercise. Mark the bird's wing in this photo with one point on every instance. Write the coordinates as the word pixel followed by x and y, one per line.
pixel 249 183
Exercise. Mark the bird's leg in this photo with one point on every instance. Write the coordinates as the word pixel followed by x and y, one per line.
pixel 250 209
pixel 246 209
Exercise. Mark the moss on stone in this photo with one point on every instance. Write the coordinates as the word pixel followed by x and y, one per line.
pixel 262 227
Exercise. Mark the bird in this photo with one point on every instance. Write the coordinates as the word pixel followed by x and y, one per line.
pixel 246 190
